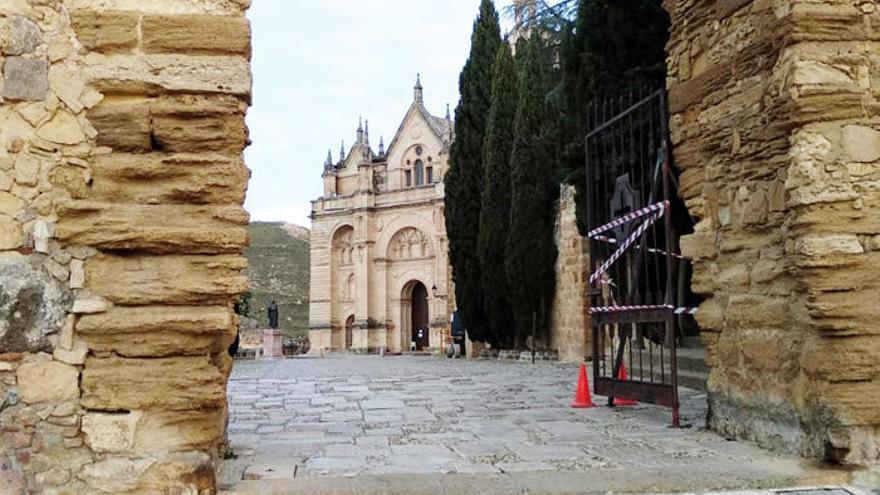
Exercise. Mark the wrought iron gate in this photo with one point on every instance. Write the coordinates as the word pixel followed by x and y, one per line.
pixel 636 276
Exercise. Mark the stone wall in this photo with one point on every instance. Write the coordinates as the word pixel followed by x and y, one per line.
pixel 776 131
pixel 570 330
pixel 121 233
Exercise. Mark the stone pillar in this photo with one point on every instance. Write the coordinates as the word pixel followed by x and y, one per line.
pixel 570 325
pixel 363 266
pixel 121 188
pixel 776 132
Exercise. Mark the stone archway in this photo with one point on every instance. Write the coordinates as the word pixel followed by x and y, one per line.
pixel 414 316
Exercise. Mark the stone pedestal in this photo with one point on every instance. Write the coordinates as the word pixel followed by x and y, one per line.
pixel 273 344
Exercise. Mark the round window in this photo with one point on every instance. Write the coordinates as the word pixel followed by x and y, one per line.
pixel 419 150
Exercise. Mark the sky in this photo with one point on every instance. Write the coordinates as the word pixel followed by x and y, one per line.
pixel 319 65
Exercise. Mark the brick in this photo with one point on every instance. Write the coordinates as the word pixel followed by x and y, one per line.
pixel 106 31
pixel 196 34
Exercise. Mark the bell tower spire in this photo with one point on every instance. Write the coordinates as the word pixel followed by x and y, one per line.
pixel 418 94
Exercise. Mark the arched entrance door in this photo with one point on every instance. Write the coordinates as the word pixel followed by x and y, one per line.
pixel 349 336
pixel 419 316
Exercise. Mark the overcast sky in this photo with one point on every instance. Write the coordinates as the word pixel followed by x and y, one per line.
pixel 320 64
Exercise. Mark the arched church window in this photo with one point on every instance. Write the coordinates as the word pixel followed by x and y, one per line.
pixel 420 173
pixel 408 174
pixel 430 173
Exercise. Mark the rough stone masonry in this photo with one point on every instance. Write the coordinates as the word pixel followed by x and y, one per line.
pixel 776 131
pixel 121 233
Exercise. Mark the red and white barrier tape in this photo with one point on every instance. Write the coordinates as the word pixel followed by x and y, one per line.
pixel 623 309
pixel 611 240
pixel 629 217
pixel 628 242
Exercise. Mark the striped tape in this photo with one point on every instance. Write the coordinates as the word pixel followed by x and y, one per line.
pixel 629 217
pixel 623 309
pixel 654 216
pixel 611 240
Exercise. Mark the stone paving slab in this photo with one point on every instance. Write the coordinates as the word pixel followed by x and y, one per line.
pixel 380 419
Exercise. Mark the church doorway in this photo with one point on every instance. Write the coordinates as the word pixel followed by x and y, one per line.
pixel 349 336
pixel 419 316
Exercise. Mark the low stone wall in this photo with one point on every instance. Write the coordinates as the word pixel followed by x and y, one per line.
pixel 569 329
pixel 776 131
pixel 121 232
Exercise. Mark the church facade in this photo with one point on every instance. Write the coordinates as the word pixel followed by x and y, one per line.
pixel 379 269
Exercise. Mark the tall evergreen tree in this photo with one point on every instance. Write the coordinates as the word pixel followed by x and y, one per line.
pixel 465 176
pixel 495 209
pixel 612 46
pixel 531 250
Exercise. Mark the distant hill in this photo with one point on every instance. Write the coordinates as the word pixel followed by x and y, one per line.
pixel 278 260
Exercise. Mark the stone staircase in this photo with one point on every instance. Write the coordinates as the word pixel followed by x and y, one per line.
pixel 692 370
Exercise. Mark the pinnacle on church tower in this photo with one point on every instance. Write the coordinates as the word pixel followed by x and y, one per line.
pixel 360 131
pixel 329 163
pixel 381 147
pixel 448 116
pixel 417 90
pixel 342 152
pixel 367 133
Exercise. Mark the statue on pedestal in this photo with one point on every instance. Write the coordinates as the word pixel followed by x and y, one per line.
pixel 272 312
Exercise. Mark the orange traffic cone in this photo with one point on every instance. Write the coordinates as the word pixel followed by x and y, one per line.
pixel 582 394
pixel 623 401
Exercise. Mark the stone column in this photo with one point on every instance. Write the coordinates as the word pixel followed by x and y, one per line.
pixel 776 133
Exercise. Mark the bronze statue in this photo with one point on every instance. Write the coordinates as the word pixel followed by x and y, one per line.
pixel 272 311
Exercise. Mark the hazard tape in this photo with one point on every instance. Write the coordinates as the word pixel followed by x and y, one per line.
pixel 611 240
pixel 623 309
pixel 629 217
pixel 653 217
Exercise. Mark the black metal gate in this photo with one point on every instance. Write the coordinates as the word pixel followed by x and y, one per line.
pixel 636 276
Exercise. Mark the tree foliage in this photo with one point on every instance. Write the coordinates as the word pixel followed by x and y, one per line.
pixel 495 209
pixel 530 253
pixel 465 176
pixel 611 46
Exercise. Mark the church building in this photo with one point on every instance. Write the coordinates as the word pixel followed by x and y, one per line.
pixel 380 274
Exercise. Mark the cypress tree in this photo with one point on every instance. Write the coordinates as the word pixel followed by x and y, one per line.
pixel 465 176
pixel 531 250
pixel 495 210
pixel 612 46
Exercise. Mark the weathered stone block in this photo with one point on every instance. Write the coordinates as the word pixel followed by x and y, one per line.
pixel 105 31
pixel 33 304
pixel 178 383
pixel 151 331
pixel 125 127
pixel 10 233
pixel 110 432
pixel 157 74
pixel 27 169
pixel 700 245
pixel 47 381
pixel 191 472
pixel 25 79
pixel 10 205
pixel 154 228
pixel 155 178
pixel 64 128
pixel 861 143
pixel 24 36
pixel 196 34
pixel 177 280
pixel 752 311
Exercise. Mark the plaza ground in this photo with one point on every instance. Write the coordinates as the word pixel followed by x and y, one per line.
pixel 419 424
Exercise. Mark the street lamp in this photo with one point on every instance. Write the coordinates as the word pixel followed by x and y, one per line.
pixel 434 290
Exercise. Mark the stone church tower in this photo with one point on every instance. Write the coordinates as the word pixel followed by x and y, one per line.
pixel 380 275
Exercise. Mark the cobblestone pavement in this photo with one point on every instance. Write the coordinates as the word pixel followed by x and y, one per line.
pixel 316 420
